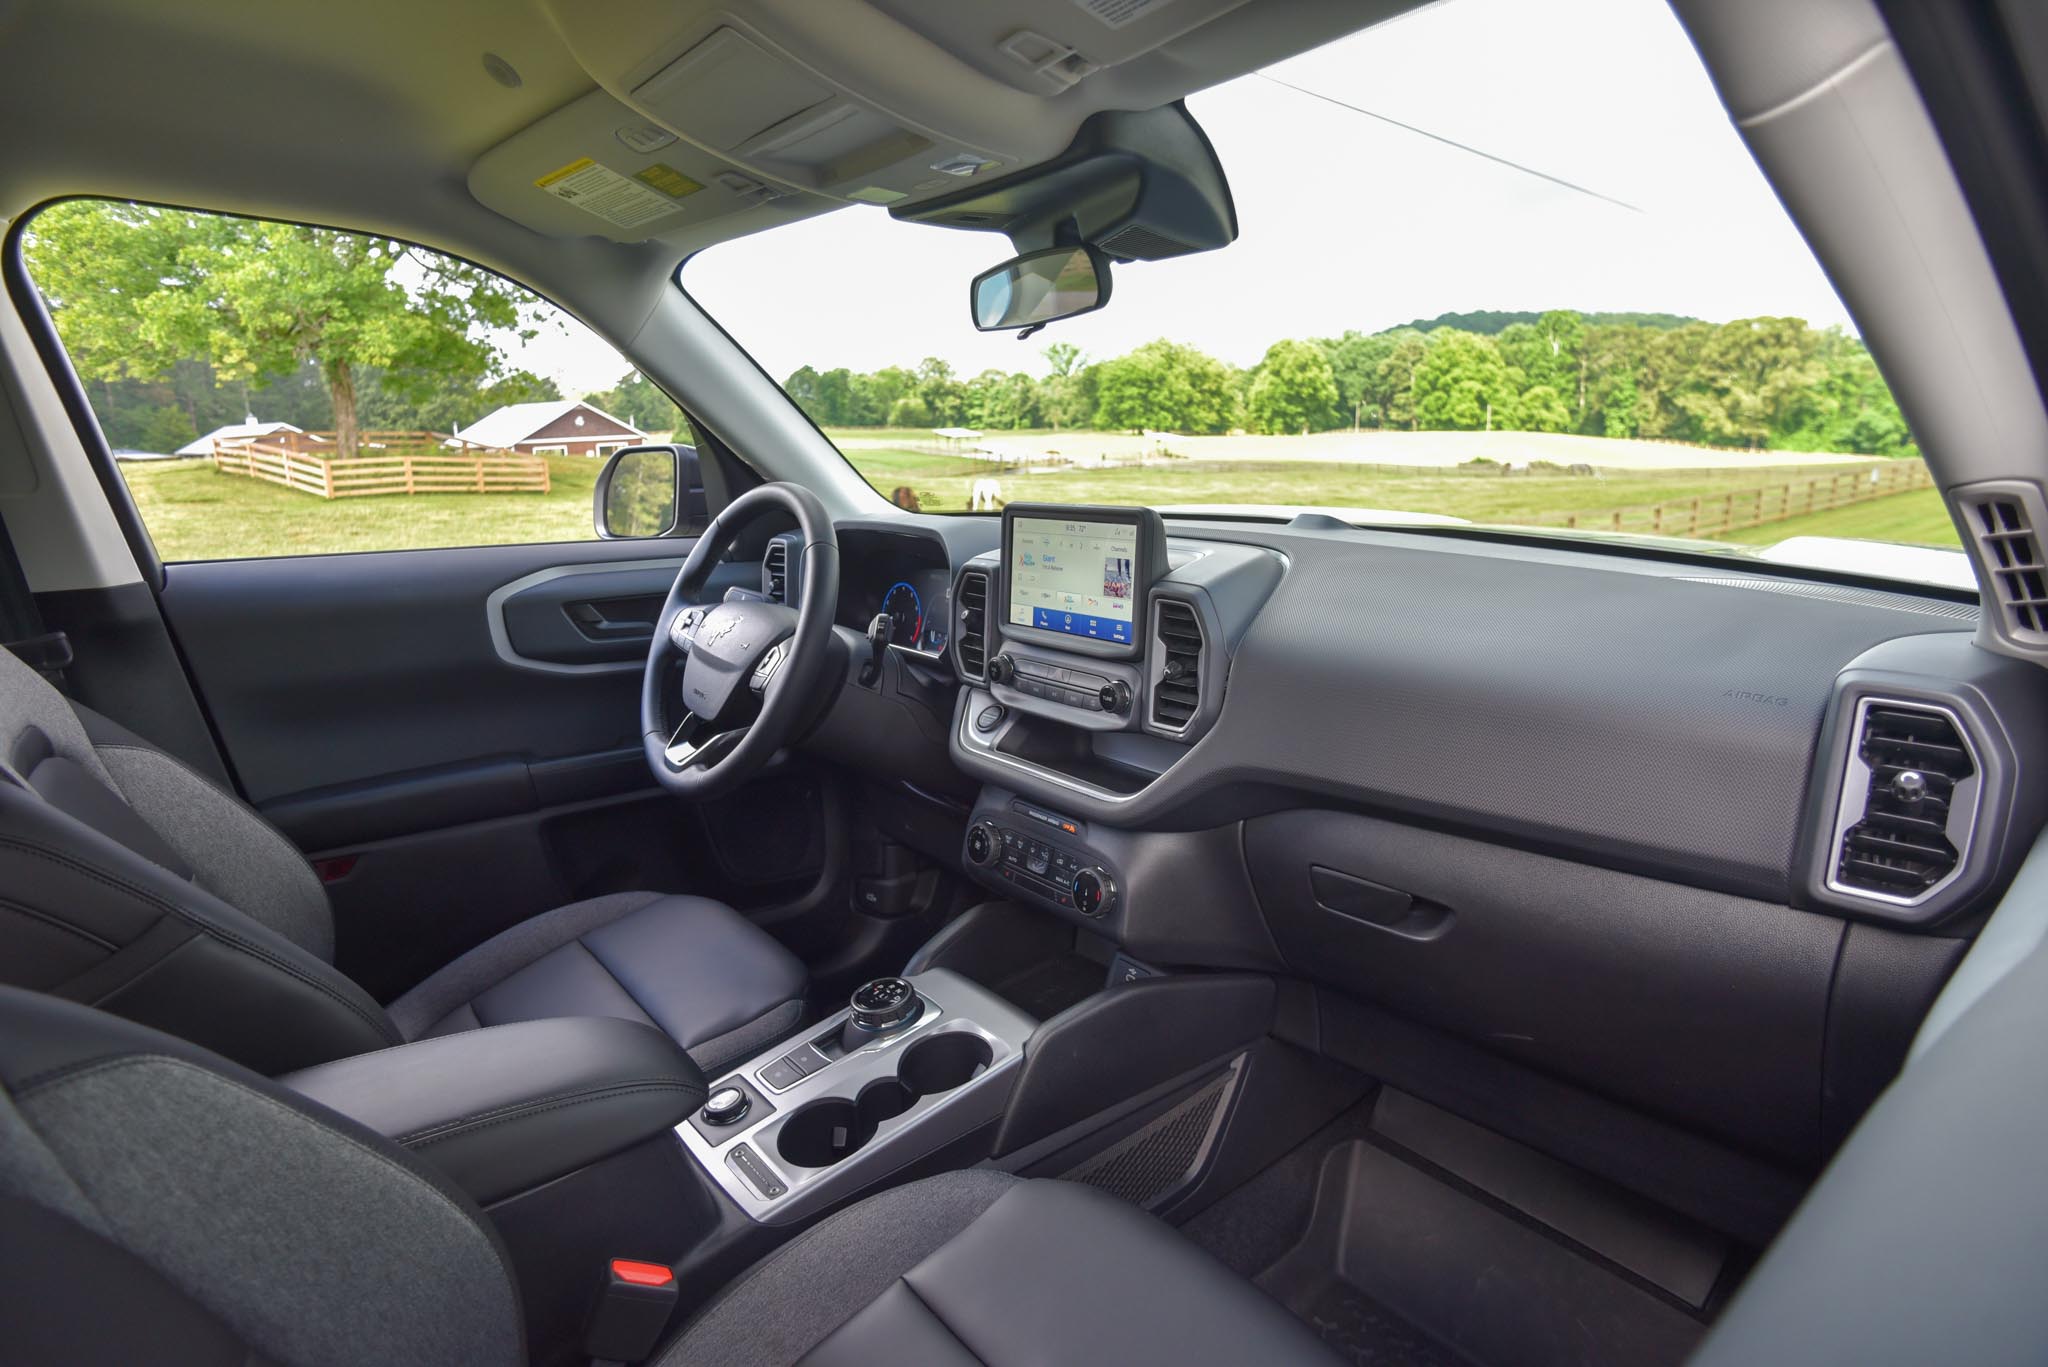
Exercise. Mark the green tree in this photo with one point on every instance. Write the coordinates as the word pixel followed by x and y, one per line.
pixel 1293 390
pixel 1541 409
pixel 1355 360
pixel 1393 383
pixel 1750 380
pixel 137 289
pixel 1066 397
pixel 1168 387
pixel 639 401
pixel 1463 385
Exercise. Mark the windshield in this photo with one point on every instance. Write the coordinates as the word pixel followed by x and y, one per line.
pixel 1497 264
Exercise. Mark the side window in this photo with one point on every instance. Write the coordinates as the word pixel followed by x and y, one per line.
pixel 276 389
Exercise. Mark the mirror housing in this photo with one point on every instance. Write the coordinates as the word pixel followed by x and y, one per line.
pixel 636 491
pixel 1040 287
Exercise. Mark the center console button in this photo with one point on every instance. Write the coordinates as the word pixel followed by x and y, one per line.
pixel 781 1075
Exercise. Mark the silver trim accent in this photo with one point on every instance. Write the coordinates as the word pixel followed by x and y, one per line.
pixel 959 606
pixel 953 1005
pixel 1850 806
pixel 501 640
pixel 1156 669
pixel 985 748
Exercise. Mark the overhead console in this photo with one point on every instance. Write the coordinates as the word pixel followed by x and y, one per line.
pixel 1095 649
pixel 750 112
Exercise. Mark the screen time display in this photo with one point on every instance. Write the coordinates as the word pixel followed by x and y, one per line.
pixel 1074 577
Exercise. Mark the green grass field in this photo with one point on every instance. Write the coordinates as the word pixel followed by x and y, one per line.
pixel 193 513
pixel 1919 518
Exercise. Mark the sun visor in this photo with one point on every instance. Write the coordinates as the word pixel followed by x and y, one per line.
pixel 598 168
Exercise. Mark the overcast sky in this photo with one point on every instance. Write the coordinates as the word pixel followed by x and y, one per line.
pixel 1344 221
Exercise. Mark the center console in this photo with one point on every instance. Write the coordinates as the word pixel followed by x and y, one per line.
pixel 910 1066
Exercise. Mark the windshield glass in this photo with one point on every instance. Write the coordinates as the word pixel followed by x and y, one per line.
pixel 1467 287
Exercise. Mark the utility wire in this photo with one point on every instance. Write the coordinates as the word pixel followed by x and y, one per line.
pixel 1450 142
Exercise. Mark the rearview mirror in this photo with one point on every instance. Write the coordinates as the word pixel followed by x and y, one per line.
pixel 636 493
pixel 1039 287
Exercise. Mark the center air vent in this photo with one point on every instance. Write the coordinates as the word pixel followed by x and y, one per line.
pixel 775 571
pixel 970 641
pixel 1908 803
pixel 1177 645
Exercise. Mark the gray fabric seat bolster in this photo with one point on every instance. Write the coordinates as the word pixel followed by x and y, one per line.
pixel 983 1269
pixel 311 1239
pixel 711 980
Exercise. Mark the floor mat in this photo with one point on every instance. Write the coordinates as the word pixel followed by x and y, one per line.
pixel 1398 1266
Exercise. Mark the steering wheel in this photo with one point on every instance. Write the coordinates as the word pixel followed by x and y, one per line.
pixel 739 654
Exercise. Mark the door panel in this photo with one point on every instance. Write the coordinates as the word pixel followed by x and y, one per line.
pixel 448 729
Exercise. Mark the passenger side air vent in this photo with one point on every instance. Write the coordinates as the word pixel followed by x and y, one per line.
pixel 1177 643
pixel 2004 519
pixel 970 640
pixel 775 571
pixel 1909 801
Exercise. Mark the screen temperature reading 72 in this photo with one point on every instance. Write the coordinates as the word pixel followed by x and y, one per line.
pixel 1074 577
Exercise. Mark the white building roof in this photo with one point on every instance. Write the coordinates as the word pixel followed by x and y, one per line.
pixel 243 431
pixel 515 422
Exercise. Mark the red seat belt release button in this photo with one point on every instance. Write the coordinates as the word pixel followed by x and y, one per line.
pixel 631 1312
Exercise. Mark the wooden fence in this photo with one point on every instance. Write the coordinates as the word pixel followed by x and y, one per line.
pixel 1710 515
pixel 384 463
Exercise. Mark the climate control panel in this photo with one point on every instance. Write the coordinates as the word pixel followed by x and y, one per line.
pixel 1039 857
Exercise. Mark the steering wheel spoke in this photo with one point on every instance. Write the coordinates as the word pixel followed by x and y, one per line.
pixel 694 742
pixel 682 628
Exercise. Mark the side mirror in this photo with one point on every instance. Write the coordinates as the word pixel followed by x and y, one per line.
pixel 1038 288
pixel 636 493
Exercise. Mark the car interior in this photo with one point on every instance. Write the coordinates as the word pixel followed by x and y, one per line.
pixel 764 932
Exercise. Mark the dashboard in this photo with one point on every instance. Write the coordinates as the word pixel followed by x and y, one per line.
pixel 909 578
pixel 1473 782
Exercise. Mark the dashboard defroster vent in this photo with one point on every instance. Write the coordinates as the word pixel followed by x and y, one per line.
pixel 775 571
pixel 1178 642
pixel 2003 521
pixel 1909 802
pixel 970 641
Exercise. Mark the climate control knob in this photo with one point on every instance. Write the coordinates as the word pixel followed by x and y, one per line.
pixel 1094 892
pixel 984 843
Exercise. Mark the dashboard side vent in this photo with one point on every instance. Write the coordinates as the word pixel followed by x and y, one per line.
pixel 1177 689
pixel 1908 803
pixel 2004 521
pixel 970 639
pixel 775 571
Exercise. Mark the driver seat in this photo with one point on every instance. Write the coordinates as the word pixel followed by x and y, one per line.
pixel 131 882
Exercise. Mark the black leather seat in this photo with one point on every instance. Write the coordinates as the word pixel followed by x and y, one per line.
pixel 160 1204
pixel 135 884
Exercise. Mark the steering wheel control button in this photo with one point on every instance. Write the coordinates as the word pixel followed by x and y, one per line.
pixel 990 717
pixel 727 1106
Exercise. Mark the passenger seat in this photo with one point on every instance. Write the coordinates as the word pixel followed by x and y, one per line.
pixel 160 1204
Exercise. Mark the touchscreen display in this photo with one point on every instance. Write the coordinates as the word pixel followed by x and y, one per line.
pixel 1074 577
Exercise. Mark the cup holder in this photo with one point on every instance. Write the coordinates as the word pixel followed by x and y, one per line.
pixel 829 1131
pixel 939 1063
pixel 832 1130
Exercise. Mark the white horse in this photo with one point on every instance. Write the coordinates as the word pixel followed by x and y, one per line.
pixel 986 495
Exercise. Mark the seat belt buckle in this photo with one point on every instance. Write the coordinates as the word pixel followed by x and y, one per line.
pixel 631 1312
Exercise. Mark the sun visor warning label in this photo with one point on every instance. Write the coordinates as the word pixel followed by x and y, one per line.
pixel 595 188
